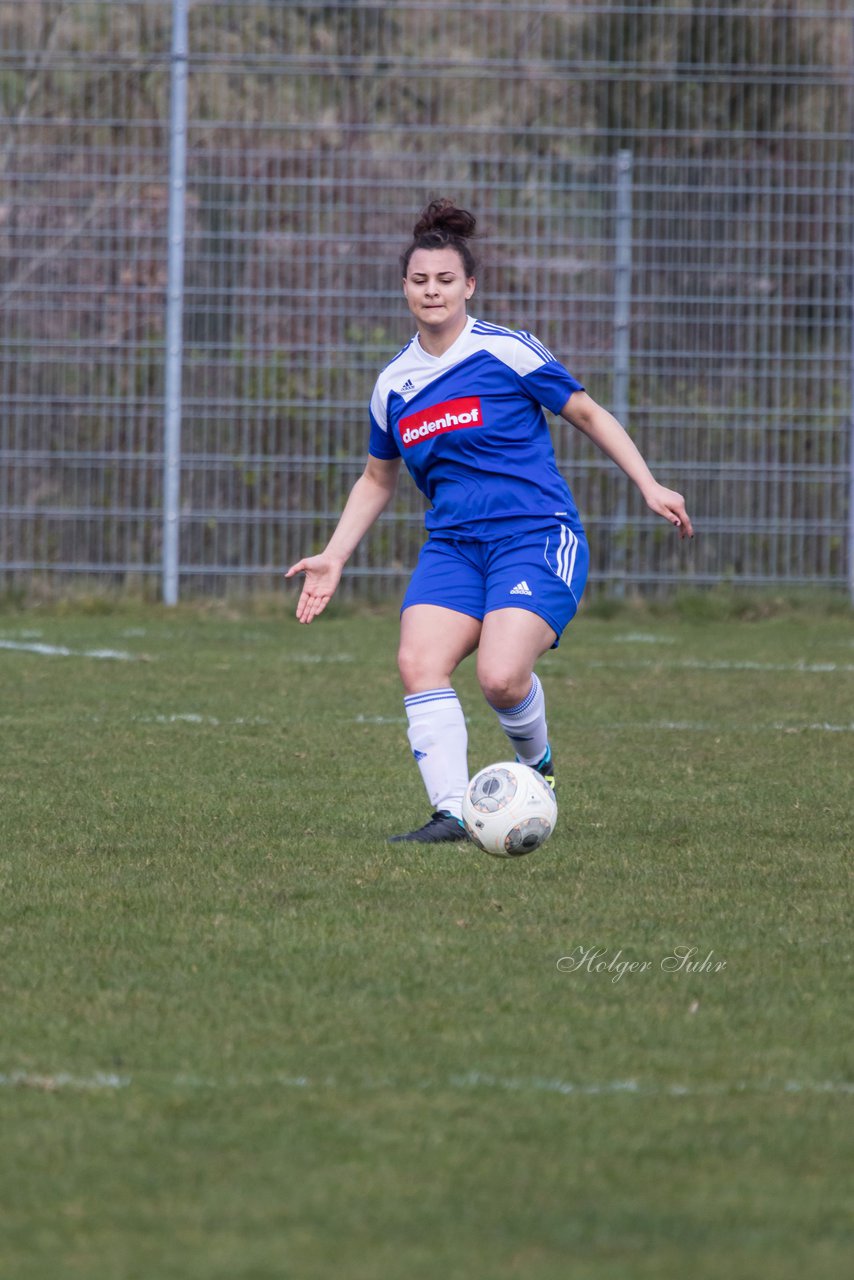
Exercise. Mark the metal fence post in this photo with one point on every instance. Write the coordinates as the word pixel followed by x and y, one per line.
pixel 175 301
pixel 851 420
pixel 622 351
pixel 851 350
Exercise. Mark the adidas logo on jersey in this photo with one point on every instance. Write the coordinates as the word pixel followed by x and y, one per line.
pixel 521 589
pixel 408 385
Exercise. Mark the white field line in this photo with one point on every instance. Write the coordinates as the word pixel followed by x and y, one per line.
pixel 642 637
pixel 118 655
pixel 724 664
pixel 60 651
pixel 702 726
pixel 363 719
pixel 610 726
pixel 49 1083
pixel 650 726
pixel 315 659
pixel 192 717
pixel 538 1084
pixel 470 1080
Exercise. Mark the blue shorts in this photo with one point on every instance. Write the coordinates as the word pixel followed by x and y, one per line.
pixel 543 571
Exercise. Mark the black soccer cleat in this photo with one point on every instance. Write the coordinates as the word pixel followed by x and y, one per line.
pixel 546 768
pixel 443 828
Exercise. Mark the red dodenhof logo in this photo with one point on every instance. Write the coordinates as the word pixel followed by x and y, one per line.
pixel 450 416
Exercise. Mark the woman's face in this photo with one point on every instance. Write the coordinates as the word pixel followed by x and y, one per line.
pixel 436 288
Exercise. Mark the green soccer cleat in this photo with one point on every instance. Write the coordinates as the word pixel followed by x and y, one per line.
pixel 443 828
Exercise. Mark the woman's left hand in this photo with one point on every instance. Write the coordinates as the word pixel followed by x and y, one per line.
pixel 670 505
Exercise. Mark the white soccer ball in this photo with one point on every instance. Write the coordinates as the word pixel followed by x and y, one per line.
pixel 509 809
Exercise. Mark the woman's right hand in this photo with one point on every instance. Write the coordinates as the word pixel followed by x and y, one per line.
pixel 369 497
pixel 322 575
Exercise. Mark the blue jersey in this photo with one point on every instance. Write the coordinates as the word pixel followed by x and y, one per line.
pixel 470 427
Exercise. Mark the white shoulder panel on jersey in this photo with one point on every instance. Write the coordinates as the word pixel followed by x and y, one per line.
pixel 412 369
pixel 519 350
pixel 387 382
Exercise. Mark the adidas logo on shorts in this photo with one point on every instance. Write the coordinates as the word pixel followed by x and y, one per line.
pixel 521 589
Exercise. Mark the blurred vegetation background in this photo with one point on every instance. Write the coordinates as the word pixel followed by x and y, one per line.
pixel 315 134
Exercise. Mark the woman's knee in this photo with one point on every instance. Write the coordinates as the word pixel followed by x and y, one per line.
pixel 503 684
pixel 418 671
pixel 433 642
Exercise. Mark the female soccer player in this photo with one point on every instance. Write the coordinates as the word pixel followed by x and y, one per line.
pixel 506 559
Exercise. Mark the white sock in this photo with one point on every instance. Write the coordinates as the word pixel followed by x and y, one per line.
pixel 439 742
pixel 525 725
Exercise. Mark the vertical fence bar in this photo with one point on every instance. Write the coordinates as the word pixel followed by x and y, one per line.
pixel 851 404
pixel 175 301
pixel 850 204
pixel 622 347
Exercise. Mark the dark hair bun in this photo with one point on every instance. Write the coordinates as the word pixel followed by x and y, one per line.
pixel 442 225
pixel 444 216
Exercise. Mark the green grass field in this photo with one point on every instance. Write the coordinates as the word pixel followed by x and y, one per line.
pixel 243 1037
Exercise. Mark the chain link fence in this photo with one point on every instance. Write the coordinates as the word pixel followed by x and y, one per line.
pixel 667 192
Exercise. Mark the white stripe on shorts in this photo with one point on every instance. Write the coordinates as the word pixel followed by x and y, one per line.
pixel 565 556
